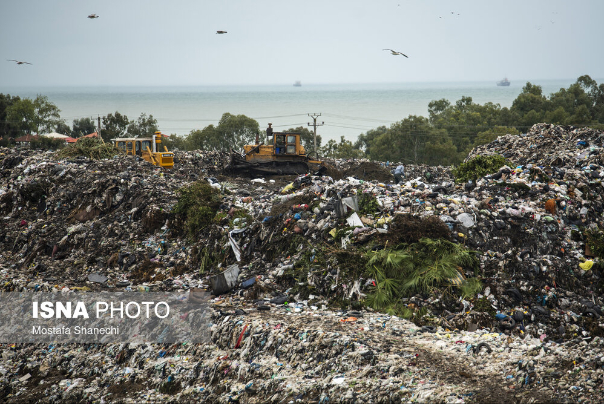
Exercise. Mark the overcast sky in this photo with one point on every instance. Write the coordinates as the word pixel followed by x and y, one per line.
pixel 161 42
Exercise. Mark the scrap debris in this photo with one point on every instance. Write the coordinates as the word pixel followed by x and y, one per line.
pixel 291 319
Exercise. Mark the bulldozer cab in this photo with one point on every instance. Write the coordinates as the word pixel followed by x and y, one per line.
pixel 148 148
pixel 287 144
pixel 133 146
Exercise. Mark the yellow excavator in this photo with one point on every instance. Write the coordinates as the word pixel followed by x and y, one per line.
pixel 147 148
pixel 283 155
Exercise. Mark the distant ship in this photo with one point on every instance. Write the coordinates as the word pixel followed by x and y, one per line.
pixel 298 84
pixel 505 82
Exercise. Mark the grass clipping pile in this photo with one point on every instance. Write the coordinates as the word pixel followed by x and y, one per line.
pixel 92 148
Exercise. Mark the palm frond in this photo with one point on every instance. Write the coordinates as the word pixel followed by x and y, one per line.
pixel 470 288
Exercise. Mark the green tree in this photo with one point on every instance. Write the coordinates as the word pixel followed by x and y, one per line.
pixel 21 114
pixel 464 120
pixel 114 126
pixel 63 128
pixel 235 131
pixel 144 126
pixel 175 142
pixel 82 127
pixel 581 116
pixel 531 118
pixel 8 129
pixel 203 139
pixel 440 151
pixel 346 150
pixel 33 116
pixel 569 99
pixel 231 133
pixel 559 116
pixel 508 118
pixel 412 140
pixel 596 96
pixel 343 150
pixel 489 135
pixel 46 115
pixel 365 140
pixel 439 112
pixel 529 100
pixel 386 148
pixel 330 148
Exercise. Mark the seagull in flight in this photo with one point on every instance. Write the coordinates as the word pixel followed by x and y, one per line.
pixel 396 53
pixel 221 32
pixel 91 16
pixel 18 62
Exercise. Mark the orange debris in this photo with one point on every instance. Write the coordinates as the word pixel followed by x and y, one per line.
pixel 550 206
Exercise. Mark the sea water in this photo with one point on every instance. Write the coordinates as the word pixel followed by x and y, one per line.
pixel 346 110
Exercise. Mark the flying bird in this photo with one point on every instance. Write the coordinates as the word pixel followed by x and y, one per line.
pixel 221 32
pixel 396 53
pixel 18 62
pixel 91 16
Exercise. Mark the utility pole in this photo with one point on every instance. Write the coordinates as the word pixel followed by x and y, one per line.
pixel 98 131
pixel 314 117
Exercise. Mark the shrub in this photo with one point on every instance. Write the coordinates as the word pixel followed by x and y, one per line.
pixel 595 241
pixel 420 268
pixel 368 203
pixel 91 148
pixel 47 143
pixel 197 205
pixel 478 167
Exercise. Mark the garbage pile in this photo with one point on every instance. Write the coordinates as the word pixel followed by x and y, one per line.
pixel 286 258
pixel 303 354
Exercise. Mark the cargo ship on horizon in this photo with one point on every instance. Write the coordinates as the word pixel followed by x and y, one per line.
pixel 504 83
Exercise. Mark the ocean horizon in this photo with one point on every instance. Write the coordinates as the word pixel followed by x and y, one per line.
pixel 346 109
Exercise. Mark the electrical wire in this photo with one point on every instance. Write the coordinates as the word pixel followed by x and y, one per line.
pixel 349 126
pixel 358 118
pixel 279 116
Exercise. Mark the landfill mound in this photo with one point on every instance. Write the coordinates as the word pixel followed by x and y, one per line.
pixel 369 171
pixel 296 325
pixel 548 145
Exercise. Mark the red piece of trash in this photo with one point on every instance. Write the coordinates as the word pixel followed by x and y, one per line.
pixel 240 337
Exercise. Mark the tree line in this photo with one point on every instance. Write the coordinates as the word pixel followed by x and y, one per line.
pixel 445 137
pixel 23 116
pixel 451 130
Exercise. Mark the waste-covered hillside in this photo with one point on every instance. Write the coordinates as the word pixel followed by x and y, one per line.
pixel 349 287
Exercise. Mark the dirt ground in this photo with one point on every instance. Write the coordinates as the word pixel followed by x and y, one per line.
pixel 369 171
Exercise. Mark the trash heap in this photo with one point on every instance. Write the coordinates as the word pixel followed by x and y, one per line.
pixel 287 260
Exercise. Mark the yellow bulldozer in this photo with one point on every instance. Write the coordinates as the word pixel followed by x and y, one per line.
pixel 283 155
pixel 147 148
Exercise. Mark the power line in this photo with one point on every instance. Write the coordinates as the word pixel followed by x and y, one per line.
pixel 278 116
pixel 188 120
pixel 357 118
pixel 289 124
pixel 349 127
